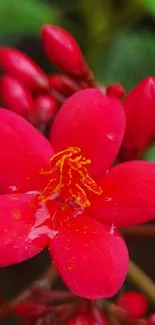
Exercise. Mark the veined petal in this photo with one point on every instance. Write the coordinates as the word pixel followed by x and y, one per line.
pixel 92 259
pixel 128 194
pixel 24 154
pixel 17 215
pixel 93 122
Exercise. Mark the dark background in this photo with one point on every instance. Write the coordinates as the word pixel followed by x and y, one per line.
pixel 118 40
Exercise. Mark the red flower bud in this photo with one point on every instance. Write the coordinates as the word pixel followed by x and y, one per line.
pixel 15 96
pixel 63 84
pixel 115 90
pixel 31 309
pixel 46 108
pixel 19 65
pixel 139 107
pixel 64 52
pixel 134 303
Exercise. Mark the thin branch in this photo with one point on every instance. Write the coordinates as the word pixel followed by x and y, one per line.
pixel 142 281
pixel 144 231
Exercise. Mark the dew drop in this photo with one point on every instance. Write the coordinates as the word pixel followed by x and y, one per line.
pixel 111 136
pixel 108 199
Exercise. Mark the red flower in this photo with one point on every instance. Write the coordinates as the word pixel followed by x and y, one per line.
pixel 140 119
pixel 56 200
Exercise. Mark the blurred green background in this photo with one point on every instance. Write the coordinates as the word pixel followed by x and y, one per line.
pixel 118 40
pixel 116 36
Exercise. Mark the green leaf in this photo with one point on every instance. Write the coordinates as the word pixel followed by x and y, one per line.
pixel 150 154
pixel 149 5
pixel 130 58
pixel 25 16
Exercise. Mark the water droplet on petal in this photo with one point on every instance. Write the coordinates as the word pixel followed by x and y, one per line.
pixel 111 136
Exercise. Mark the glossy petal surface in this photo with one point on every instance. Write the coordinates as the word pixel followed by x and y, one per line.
pixel 93 122
pixel 92 260
pixel 17 215
pixel 24 152
pixel 128 194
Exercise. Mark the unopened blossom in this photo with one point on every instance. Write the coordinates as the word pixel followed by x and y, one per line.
pixel 139 108
pixel 135 303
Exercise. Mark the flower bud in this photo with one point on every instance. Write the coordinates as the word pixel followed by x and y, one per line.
pixel 46 108
pixel 139 107
pixel 20 66
pixel 63 84
pixel 15 96
pixel 116 91
pixel 64 52
pixel 31 309
pixel 134 303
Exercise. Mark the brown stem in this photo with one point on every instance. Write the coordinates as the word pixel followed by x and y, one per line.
pixel 112 319
pixel 142 281
pixel 146 231
pixel 47 279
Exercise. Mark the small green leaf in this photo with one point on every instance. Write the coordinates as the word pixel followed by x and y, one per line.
pixel 130 58
pixel 25 16
pixel 150 154
pixel 149 5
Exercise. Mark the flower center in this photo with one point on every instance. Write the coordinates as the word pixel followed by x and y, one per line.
pixel 70 178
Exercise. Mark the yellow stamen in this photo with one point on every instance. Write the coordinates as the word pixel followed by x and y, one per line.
pixel 70 176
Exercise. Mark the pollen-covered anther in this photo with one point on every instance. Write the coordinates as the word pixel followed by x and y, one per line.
pixel 72 178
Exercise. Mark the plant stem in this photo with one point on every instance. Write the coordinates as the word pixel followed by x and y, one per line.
pixel 146 231
pixel 45 281
pixel 142 281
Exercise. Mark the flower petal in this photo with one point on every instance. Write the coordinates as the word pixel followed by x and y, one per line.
pixel 93 122
pixel 128 194
pixel 91 259
pixel 17 215
pixel 140 119
pixel 24 152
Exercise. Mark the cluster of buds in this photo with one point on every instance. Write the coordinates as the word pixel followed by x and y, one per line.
pixel 28 91
pixel 47 306
pixel 57 307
